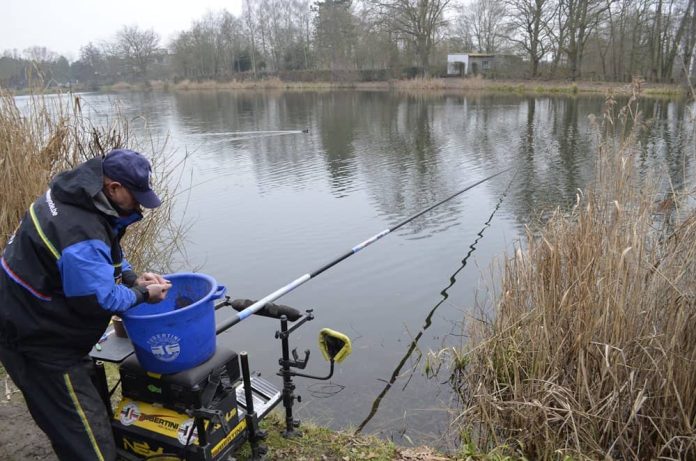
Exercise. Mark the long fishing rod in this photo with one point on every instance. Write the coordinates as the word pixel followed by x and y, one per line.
pixel 258 305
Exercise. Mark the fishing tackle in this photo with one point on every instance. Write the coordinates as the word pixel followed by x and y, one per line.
pixel 306 277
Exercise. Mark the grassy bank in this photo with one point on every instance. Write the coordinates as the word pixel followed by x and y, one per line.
pixel 475 84
pixel 591 353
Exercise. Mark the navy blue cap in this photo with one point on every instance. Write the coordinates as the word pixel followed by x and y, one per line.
pixel 132 170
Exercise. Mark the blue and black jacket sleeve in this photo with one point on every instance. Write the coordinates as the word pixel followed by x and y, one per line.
pixel 88 277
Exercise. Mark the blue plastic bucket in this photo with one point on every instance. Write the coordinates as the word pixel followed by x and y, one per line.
pixel 178 333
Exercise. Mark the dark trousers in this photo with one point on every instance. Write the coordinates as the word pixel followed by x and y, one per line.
pixel 66 406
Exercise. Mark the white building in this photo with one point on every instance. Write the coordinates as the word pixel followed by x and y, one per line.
pixel 469 63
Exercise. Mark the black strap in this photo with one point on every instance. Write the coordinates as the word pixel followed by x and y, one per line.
pixel 212 385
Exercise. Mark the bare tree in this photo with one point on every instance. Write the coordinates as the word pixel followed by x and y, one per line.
pixel 40 54
pixel 249 15
pixel 578 19
pixel 461 34
pixel 689 40
pixel 334 33
pixel 531 19
pixel 303 18
pixel 677 18
pixel 419 21
pixel 137 48
pixel 488 25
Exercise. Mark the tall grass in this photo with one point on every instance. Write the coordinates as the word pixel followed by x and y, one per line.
pixel 52 134
pixel 273 83
pixel 592 351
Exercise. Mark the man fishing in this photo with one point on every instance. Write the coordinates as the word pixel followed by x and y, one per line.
pixel 63 276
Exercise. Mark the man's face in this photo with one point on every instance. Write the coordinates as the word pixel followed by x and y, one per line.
pixel 122 197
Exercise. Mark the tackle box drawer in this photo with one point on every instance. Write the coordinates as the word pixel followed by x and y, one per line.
pixel 183 390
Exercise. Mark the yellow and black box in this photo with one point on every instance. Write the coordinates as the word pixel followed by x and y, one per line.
pixel 150 430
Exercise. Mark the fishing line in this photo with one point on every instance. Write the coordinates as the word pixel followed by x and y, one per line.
pixel 324 390
pixel 244 135
pixel 246 138
pixel 258 305
pixel 428 320
pixel 268 133
pixel 228 133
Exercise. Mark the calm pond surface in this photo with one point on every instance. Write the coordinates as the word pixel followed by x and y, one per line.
pixel 267 208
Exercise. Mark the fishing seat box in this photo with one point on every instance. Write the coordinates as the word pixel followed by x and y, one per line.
pixel 189 389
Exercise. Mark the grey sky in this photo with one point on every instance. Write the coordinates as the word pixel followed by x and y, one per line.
pixel 64 26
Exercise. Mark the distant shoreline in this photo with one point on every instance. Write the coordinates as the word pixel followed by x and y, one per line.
pixel 428 84
pixel 435 85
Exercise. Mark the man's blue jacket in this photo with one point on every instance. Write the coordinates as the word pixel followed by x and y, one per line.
pixel 60 280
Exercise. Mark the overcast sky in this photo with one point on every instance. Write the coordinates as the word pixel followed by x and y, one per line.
pixel 64 26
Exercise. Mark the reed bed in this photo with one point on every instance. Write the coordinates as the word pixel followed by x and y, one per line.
pixel 591 352
pixel 43 135
pixel 274 83
pixel 476 84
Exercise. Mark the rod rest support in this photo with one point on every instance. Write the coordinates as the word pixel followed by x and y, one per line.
pixel 285 333
pixel 289 396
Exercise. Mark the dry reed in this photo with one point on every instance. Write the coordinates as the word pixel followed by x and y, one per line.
pixel 51 134
pixel 274 83
pixel 591 351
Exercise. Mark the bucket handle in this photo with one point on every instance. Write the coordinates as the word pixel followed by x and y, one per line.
pixel 220 292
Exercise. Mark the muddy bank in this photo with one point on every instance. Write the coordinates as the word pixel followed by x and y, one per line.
pixel 20 437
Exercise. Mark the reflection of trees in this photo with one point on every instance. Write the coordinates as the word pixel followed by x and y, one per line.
pixel 396 373
pixel 555 154
pixel 408 152
pixel 670 141
pixel 401 160
pixel 565 130
pixel 527 171
pixel 277 160
pixel 337 116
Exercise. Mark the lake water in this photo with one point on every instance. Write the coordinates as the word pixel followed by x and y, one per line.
pixel 266 208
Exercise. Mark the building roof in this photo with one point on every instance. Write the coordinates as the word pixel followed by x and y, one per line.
pixel 474 55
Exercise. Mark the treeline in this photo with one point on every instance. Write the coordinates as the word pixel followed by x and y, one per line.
pixel 379 39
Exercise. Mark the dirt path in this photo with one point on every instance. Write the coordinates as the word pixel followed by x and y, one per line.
pixel 20 437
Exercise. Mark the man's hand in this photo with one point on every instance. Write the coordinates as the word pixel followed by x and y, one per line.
pixel 149 278
pixel 157 291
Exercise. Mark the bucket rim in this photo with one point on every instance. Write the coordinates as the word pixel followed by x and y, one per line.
pixel 213 288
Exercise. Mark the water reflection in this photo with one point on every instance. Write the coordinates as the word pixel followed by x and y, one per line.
pixel 337 133
pixel 266 209
pixel 396 374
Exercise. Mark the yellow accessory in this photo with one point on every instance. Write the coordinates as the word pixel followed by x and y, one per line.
pixel 334 345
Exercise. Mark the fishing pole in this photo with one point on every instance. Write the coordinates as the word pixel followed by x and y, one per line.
pixel 258 305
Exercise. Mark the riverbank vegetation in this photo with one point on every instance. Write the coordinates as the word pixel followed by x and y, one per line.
pixel 590 351
pixel 476 85
pixel 42 135
pixel 344 42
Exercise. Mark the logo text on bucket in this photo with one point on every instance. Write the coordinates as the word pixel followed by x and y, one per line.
pixel 165 346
